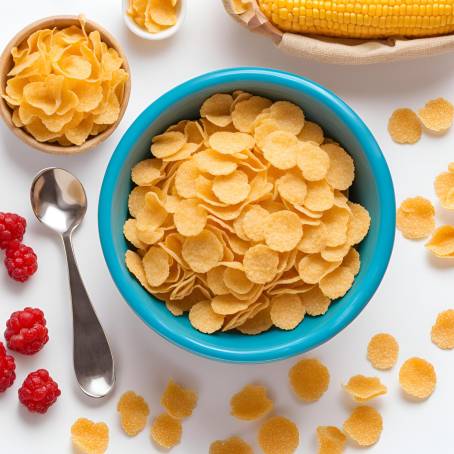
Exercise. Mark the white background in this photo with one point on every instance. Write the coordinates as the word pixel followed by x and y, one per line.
pixel 416 287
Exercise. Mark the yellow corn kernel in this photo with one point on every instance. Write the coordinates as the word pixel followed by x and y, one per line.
pixel 362 18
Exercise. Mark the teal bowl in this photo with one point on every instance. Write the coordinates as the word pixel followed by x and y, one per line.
pixel 373 188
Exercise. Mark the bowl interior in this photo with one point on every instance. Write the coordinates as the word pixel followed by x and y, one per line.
pixel 372 188
pixel 6 63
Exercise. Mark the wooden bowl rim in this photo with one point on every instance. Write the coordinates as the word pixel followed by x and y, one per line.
pixel 6 63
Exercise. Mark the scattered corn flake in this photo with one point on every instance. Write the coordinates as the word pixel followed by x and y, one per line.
pixel 362 388
pixel 228 143
pixel 364 426
pixel 179 402
pixel 309 379
pixel 444 188
pixel 441 243
pixel 331 440
pixel 257 324
pixel 204 319
pixel 337 283
pixel 203 251
pixel 283 230
pixel 320 196
pixel 260 264
pixel 359 223
pixel 253 222
pixel 252 402
pixel 167 144
pixel 341 172
pixel 288 116
pixel 278 435
pixel 315 302
pixel 437 115
pixel 404 126
pixel 416 218
pixel 232 445
pixel 442 333
pixel 134 413
pixel 189 217
pixel 313 161
pixel 382 351
pixel 166 431
pixel 245 112
pixel 287 311
pixel 280 149
pixel 417 378
pixel 216 109
pixel 233 188
pixel 90 437
pixel 292 187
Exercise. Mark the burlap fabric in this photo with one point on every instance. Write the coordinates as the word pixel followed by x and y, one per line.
pixel 340 51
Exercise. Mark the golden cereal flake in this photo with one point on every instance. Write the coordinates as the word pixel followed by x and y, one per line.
pixel 417 378
pixel 252 402
pixel 441 243
pixel 166 431
pixel 442 333
pixel 363 389
pixel 364 426
pixel 179 402
pixel 278 435
pixel 134 413
pixel 232 445
pixel 382 351
pixel 309 379
pixel 416 218
pixel 90 437
pixel 331 440
pixel 404 126
pixel 437 115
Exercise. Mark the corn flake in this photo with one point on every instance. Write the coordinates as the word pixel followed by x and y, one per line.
pixel 134 413
pixel 282 231
pixel 90 437
pixel 216 109
pixel 232 445
pixel 313 161
pixel 179 402
pixel 442 333
pixel 315 302
pixel 278 435
pixel 364 426
pixel 231 189
pixel 437 115
pixel 202 252
pixel 444 188
pixel 252 402
pixel 166 431
pixel 231 142
pixel 341 170
pixel 257 324
pixel 292 188
pixel 280 149
pixel 245 112
pixel 331 440
pixel 190 218
pixel 382 351
pixel 404 126
pixel 289 117
pixel 319 197
pixel 441 243
pixel 362 388
pixel 309 379
pixel 311 132
pixel 337 283
pixel 417 378
pixel 287 311
pixel 260 264
pixel 204 319
pixel 416 218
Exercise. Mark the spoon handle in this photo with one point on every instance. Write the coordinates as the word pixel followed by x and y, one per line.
pixel 93 360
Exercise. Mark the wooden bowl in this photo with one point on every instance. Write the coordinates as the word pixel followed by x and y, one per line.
pixel 6 63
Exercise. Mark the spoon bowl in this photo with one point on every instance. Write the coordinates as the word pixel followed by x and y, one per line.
pixel 58 200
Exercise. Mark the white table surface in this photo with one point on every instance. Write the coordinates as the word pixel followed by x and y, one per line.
pixel 413 291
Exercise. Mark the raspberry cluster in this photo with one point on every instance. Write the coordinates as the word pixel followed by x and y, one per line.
pixel 20 260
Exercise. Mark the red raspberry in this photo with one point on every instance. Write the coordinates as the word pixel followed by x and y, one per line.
pixel 26 331
pixel 12 227
pixel 7 368
pixel 39 391
pixel 20 261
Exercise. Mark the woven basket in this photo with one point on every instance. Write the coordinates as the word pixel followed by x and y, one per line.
pixel 339 51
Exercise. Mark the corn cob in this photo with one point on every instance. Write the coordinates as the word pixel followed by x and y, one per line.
pixel 362 18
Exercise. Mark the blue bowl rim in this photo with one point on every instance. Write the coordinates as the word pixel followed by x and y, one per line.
pixel 386 228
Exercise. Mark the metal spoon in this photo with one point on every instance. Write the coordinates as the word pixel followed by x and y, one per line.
pixel 59 202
